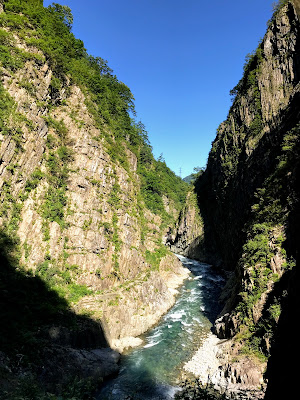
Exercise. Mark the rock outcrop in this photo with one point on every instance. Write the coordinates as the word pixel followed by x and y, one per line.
pixel 73 215
pixel 212 364
pixel 187 237
pixel 249 193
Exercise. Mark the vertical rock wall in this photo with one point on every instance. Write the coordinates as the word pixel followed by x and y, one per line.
pixel 76 212
pixel 249 193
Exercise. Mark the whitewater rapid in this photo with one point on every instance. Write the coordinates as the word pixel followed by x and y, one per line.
pixel 151 371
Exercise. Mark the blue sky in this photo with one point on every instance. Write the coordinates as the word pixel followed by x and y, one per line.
pixel 179 58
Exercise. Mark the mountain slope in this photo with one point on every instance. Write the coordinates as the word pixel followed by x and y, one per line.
pixel 249 193
pixel 84 204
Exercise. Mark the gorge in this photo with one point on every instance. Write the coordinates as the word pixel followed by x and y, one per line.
pixel 90 221
pixel 152 370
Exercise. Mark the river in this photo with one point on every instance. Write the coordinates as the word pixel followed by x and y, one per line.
pixel 151 371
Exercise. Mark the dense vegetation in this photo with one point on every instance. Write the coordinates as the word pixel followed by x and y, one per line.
pixel 110 101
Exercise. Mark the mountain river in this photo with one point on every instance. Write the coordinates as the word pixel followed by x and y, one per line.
pixel 153 370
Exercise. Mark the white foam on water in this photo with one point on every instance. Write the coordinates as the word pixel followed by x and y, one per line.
pixel 186 324
pixel 138 361
pixel 198 277
pixel 192 299
pixel 155 334
pixel 151 344
pixel 176 316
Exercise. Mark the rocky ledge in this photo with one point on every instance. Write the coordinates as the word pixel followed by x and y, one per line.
pixel 126 314
pixel 213 363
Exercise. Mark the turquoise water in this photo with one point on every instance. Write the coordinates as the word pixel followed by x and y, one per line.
pixel 151 371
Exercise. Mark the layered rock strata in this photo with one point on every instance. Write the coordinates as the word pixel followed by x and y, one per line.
pixel 73 220
pixel 249 201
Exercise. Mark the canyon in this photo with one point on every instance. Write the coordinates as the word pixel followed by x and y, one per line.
pixel 249 202
pixel 90 220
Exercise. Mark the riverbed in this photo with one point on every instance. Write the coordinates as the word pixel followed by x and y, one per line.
pixel 152 371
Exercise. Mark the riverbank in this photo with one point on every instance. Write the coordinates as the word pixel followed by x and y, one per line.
pixel 206 361
pixel 151 370
pixel 134 307
pixel 158 295
pixel 213 363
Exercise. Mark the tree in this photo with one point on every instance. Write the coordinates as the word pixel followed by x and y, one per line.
pixel 64 13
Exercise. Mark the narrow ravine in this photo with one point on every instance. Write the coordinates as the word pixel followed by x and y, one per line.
pixel 152 371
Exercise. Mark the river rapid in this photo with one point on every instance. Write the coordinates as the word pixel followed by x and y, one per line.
pixel 152 371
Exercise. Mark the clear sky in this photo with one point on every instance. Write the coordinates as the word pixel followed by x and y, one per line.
pixel 180 58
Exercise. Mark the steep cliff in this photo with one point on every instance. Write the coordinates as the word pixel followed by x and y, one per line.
pixel 82 214
pixel 249 193
pixel 186 236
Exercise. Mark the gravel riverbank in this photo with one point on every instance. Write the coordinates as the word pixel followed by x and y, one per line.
pixel 243 378
pixel 206 361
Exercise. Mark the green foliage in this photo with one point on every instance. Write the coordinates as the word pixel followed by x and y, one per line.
pixel 117 244
pixel 76 292
pixel 11 57
pixel 6 106
pixel 53 207
pixel 57 162
pixel 114 197
pixel 275 200
pixel 51 141
pixel 277 6
pixel 275 311
pixel 251 67
pixel 59 126
pixel 65 154
pixel 62 280
pixel 25 300
pixel 158 180
pixel 257 247
pixel 154 258
pixel 197 172
pixel 63 13
pixel 111 102
pixel 34 180
pixel 29 306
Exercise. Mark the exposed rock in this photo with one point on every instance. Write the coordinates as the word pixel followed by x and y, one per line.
pixel 187 236
pixel 129 313
pixel 226 326
pixel 92 223
pixel 126 343
pixel 213 363
pixel 249 193
pixel 73 217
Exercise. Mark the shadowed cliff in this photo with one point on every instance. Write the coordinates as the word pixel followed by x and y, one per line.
pixel 249 202
pixel 43 344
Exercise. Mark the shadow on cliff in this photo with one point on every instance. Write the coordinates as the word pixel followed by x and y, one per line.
pixel 226 209
pixel 38 331
pixel 282 373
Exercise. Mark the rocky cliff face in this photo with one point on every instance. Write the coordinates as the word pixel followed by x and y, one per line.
pixel 72 213
pixel 97 239
pixel 186 237
pixel 249 193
